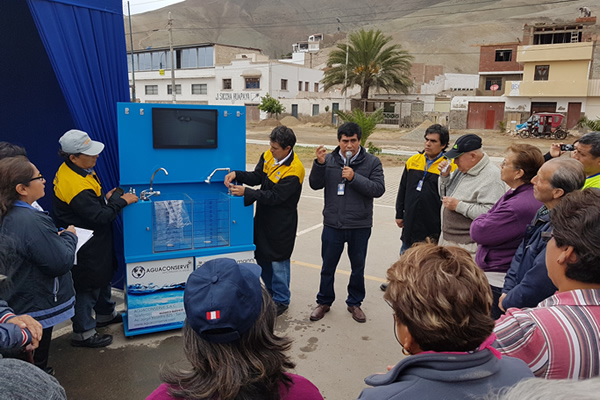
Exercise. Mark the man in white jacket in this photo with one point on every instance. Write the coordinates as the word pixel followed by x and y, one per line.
pixel 471 190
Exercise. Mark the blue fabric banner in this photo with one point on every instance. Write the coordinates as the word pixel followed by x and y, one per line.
pixel 85 42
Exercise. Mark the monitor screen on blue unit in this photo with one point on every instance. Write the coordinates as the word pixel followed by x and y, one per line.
pixel 184 128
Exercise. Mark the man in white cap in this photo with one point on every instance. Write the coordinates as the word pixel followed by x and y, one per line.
pixel 469 191
pixel 79 200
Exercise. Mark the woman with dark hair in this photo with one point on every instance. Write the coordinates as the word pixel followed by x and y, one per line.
pixel 499 232
pixel 560 338
pixel 39 284
pixel 441 302
pixel 229 340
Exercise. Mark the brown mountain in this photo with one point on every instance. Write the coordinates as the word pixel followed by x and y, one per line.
pixel 435 32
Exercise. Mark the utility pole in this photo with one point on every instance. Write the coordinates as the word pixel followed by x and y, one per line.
pixel 173 91
pixel 132 58
pixel 346 68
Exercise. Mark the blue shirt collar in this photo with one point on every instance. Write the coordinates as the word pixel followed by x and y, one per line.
pixel 21 203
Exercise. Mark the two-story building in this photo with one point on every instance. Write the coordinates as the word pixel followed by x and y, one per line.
pixel 559 72
pixel 220 74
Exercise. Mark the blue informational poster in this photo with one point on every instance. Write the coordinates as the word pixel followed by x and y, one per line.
pixel 155 292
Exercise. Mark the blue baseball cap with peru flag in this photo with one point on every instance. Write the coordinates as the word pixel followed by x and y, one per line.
pixel 223 299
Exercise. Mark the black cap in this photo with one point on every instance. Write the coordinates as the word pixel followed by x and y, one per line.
pixel 464 144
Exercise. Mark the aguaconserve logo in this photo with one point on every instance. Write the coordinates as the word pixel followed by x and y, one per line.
pixel 138 272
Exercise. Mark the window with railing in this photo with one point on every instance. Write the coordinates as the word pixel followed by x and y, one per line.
pixel 177 89
pixel 151 89
pixel 199 88
pixel 252 83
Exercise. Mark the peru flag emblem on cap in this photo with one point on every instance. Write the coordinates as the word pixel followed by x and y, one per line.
pixel 211 315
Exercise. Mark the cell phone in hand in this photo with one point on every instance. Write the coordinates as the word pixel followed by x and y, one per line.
pixel 117 194
pixel 567 147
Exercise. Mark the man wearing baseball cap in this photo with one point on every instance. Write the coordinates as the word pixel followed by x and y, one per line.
pixel 229 340
pixel 471 190
pixel 79 200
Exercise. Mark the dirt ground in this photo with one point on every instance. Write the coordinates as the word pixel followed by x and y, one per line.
pixel 494 142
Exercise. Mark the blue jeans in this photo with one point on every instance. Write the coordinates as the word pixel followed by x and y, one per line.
pixel 404 247
pixel 97 299
pixel 276 276
pixel 332 246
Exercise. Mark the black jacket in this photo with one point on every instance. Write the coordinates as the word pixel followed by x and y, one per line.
pixel 354 209
pixel 78 200
pixel 40 284
pixel 276 217
pixel 420 209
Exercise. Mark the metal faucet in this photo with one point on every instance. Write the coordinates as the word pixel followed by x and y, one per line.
pixel 207 180
pixel 145 195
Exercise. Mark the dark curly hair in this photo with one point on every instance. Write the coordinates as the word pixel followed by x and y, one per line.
pixel 576 222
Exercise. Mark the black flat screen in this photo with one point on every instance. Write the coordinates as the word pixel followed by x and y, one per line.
pixel 184 128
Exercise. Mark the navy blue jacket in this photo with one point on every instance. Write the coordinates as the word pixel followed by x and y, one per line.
pixel 354 209
pixel 446 376
pixel 40 284
pixel 527 282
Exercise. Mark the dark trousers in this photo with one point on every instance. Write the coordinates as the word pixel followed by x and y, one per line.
pixel 86 301
pixel 40 355
pixel 332 246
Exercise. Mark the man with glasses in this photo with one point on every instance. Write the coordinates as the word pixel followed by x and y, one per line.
pixel 559 338
pixel 586 150
pixel 526 282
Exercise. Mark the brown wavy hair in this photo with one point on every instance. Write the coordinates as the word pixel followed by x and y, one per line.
pixel 442 297
pixel 251 368
pixel 13 170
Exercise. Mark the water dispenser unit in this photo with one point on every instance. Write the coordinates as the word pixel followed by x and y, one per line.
pixel 186 216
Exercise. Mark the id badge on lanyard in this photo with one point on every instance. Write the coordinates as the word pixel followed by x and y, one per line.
pixel 420 185
pixel 341 188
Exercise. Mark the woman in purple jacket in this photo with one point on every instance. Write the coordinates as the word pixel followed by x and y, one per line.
pixel 499 232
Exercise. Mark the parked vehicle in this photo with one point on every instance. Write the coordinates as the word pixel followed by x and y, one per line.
pixel 546 125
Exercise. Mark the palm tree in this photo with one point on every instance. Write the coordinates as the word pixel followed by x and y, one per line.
pixel 370 64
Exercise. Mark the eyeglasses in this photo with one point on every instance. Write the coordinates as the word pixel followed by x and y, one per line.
pixel 40 177
pixel 547 235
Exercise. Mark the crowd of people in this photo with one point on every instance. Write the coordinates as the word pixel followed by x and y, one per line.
pixel 497 282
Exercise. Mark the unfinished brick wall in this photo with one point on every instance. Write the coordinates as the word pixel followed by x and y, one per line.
pixel 487 58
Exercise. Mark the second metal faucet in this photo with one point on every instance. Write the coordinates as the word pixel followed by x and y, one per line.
pixel 207 180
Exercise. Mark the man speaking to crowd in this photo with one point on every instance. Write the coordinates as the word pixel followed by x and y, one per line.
pixel 351 178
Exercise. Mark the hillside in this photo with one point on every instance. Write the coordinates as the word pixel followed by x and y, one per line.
pixel 435 32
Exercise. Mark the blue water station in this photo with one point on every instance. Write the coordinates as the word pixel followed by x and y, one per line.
pixel 175 158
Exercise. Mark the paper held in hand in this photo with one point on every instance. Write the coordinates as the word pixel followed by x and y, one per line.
pixel 83 235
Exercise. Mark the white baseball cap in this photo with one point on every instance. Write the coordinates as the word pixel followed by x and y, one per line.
pixel 76 141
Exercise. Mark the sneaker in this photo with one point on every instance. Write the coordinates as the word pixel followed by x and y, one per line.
pixel 281 308
pixel 93 342
pixel 116 320
pixel 384 286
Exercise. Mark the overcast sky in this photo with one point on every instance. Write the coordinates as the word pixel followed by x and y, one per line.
pixel 140 6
